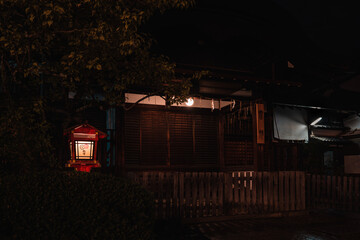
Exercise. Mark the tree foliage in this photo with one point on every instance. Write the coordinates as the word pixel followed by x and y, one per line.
pixel 90 47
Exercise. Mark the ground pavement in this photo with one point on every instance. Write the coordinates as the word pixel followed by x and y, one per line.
pixel 324 225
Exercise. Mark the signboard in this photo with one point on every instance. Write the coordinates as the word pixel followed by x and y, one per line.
pixel 260 126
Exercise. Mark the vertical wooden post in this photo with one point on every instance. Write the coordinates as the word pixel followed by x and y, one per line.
pixel 328 191
pixel 120 134
pixel 181 194
pixel 350 194
pixel 333 198
pixel 276 191
pixel 168 157
pixel 345 192
pixel 318 190
pixel 308 190
pixel 160 189
pixel 323 191
pixel 339 191
pixel 194 185
pixel 298 191
pixel 271 192
pixel 201 194
pixel 265 190
pixel 228 193
pixel 357 194
pixel 303 193
pixel 221 192
pixel 168 191
pixel 281 190
pixel 253 191
pixel 259 195
pixel 194 140
pixel 207 192
pixel 236 192
pixel 242 192
pixel 175 198
pixel 287 192
pixel 221 141
pixel 292 190
pixel 214 183
pixel 255 145
pixel 248 197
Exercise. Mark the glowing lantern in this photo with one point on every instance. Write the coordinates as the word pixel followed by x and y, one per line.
pixel 83 141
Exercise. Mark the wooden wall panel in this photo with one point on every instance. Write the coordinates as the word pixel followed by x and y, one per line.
pixel 238 153
pixel 153 138
pixel 170 138
pixel 132 151
pixel 206 149
pixel 181 138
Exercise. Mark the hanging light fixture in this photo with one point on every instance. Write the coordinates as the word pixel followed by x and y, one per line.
pixel 316 121
pixel 189 102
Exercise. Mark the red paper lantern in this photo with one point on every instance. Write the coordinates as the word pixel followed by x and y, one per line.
pixel 83 142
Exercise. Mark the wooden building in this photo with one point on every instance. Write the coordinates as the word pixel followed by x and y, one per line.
pixel 256 61
pixel 214 134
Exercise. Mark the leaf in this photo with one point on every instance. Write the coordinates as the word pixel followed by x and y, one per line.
pixel 59 9
pixel 47 12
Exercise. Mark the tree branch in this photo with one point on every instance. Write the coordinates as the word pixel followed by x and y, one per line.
pixel 141 99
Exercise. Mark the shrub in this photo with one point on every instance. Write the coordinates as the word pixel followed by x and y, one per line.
pixel 74 205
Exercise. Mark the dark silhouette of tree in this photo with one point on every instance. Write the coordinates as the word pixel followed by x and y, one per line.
pixel 94 49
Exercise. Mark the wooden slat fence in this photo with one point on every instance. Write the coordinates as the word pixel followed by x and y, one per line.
pixel 205 194
pixel 334 192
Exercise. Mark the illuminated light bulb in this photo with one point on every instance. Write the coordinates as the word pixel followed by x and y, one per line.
pixel 189 102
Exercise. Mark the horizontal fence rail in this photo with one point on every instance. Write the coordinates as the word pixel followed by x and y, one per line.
pixel 208 194
pixel 336 192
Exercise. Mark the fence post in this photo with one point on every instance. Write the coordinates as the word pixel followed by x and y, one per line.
pixel 227 193
pixel 276 191
pixel 181 194
pixel 357 194
pixel 344 193
pixel 175 197
pixel 221 193
pixel 292 190
pixel 298 191
pixel 248 197
pixel 303 193
pixel 254 202
pixel 265 184
pixel 201 194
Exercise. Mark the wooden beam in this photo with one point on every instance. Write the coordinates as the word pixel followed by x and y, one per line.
pixel 221 141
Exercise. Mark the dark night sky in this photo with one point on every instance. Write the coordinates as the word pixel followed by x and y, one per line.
pixel 229 33
pixel 332 26
pixel 320 39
